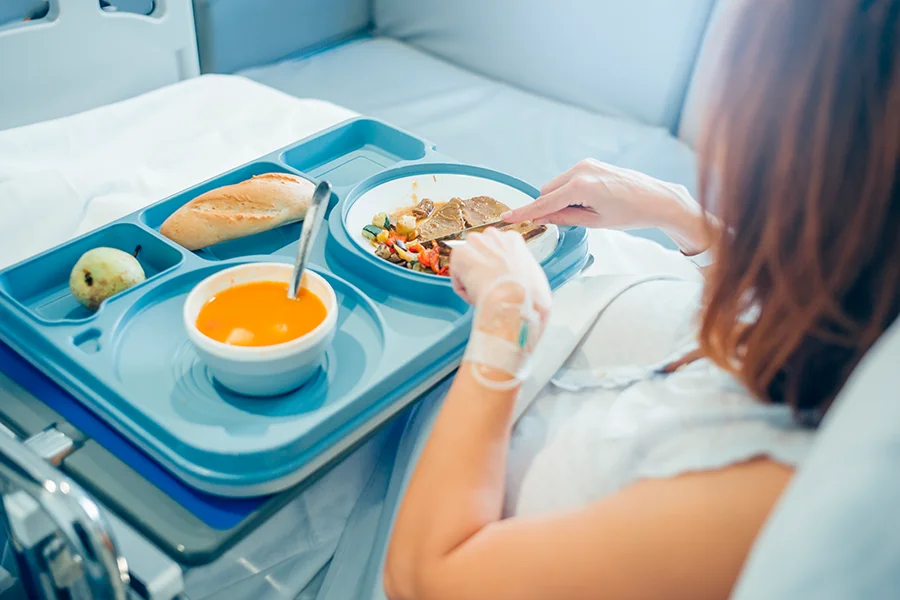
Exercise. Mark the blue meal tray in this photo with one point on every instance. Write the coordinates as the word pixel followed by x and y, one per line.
pixel 131 365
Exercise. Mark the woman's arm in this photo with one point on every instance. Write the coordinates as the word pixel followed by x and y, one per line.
pixel 461 471
pixel 457 488
pixel 681 538
pixel 602 196
pixel 460 475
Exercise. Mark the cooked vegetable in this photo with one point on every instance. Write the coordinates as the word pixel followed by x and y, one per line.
pixel 382 220
pixel 398 238
pixel 394 236
pixel 370 232
pixel 430 257
pixel 406 224
pixel 405 255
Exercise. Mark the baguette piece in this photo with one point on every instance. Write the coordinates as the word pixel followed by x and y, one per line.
pixel 258 204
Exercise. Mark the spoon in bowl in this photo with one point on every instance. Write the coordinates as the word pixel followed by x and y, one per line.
pixel 311 223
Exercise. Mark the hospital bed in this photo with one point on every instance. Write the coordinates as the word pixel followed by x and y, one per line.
pixel 421 70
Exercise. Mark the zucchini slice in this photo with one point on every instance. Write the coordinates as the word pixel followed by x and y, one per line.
pixel 370 232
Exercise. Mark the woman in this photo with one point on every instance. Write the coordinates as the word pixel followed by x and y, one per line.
pixel 659 489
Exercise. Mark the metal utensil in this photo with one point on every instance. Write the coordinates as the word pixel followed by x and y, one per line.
pixel 461 234
pixel 311 223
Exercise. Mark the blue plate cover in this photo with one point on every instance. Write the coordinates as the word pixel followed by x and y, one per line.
pixel 131 365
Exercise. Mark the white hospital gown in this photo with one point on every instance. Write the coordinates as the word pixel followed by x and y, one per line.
pixel 572 448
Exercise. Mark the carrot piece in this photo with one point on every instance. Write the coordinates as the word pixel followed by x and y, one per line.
pixel 430 258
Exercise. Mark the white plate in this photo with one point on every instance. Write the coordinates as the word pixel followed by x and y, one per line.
pixel 405 191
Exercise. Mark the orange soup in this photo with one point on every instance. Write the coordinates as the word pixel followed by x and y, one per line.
pixel 260 314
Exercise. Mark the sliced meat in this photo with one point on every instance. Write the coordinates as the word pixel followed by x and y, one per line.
pixel 423 209
pixel 527 229
pixel 444 221
pixel 482 209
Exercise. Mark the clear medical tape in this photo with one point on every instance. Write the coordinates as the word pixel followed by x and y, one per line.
pixel 505 308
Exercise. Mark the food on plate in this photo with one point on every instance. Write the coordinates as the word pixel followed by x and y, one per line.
pixel 102 273
pixel 406 225
pixel 482 209
pixel 409 236
pixel 258 204
pixel 527 229
pixel 444 221
pixel 423 209
pixel 260 313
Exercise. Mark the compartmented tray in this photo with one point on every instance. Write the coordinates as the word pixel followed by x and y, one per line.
pixel 131 365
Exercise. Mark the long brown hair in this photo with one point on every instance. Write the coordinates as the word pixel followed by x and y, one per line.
pixel 800 162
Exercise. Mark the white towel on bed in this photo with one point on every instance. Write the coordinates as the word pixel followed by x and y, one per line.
pixel 65 177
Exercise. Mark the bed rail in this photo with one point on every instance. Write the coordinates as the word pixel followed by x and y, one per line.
pixel 79 57
pixel 60 538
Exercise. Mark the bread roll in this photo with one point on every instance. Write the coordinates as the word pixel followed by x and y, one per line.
pixel 234 211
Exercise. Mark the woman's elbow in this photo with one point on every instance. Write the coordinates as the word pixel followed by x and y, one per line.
pixel 409 578
pixel 394 587
pixel 399 576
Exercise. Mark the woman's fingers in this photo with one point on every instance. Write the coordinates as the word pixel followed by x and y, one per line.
pixel 588 165
pixel 458 269
pixel 459 289
pixel 540 208
pixel 572 216
pixel 558 181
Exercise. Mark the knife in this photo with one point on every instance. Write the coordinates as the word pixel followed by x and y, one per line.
pixel 461 235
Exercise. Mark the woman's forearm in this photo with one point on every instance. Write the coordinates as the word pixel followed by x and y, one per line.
pixel 457 487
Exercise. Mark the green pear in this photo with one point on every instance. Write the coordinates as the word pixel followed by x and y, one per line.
pixel 101 273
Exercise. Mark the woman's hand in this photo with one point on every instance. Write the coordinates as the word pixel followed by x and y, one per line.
pixel 598 195
pixel 491 256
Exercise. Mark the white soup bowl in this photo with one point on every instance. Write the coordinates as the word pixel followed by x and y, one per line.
pixel 262 370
